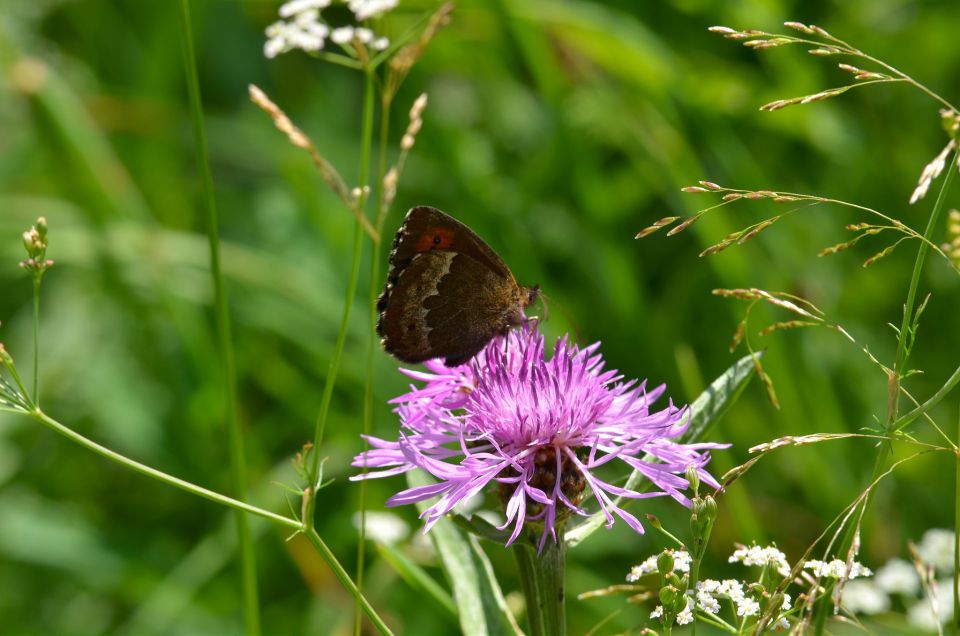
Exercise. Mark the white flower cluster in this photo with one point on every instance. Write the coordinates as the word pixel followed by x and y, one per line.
pixel 301 27
pixel 681 564
pixel 837 569
pixel 365 9
pixel 756 555
pixel 900 577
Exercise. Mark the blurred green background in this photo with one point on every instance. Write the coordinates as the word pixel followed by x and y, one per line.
pixel 556 129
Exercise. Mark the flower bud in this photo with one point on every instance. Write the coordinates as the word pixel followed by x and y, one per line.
pixel 42 228
pixel 668 595
pixel 694 479
pixel 665 563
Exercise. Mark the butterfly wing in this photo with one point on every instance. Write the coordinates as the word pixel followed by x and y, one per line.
pixel 447 292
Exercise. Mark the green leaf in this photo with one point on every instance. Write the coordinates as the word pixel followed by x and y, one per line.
pixel 710 406
pixel 480 603
pixel 417 578
pixel 477 525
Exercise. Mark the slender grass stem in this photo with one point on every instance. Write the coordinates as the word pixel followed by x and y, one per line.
pixel 905 326
pixel 893 422
pixel 956 537
pixel 36 338
pixel 238 463
pixel 159 475
pixel 382 148
pixel 313 472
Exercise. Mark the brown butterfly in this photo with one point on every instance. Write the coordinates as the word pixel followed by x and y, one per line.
pixel 447 292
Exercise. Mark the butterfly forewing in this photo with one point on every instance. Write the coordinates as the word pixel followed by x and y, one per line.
pixel 447 293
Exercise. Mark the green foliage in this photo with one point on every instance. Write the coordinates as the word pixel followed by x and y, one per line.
pixel 557 130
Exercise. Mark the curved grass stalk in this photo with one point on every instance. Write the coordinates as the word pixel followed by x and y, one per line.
pixel 238 462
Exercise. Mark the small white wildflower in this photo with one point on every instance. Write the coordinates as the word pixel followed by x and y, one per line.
pixel 293 7
pixel 756 555
pixel 936 548
pixel 707 602
pixel 638 571
pixel 685 617
pixel 365 9
pixel 747 607
pixel 305 32
pixel 837 569
pixel 657 612
pixel 781 625
pixel 380 44
pixel 786 605
pixel 732 589
pixel 864 597
pixel 708 586
pixel 384 527
pixel 681 559
pixel 363 35
pixel 342 35
pixel 898 577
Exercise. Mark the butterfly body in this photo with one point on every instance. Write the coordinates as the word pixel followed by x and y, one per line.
pixel 447 293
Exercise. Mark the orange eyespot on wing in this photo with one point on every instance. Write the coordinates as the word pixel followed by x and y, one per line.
pixel 435 238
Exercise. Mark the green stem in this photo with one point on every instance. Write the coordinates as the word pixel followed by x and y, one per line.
pixel 153 473
pixel 956 537
pixel 216 497
pixel 371 346
pixel 238 464
pixel 344 579
pixel 36 337
pixel 893 421
pixel 902 353
pixel 542 579
pixel 526 558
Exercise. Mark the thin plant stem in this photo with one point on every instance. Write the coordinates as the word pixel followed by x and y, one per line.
pixel 238 463
pixel 37 277
pixel 894 422
pixel 901 356
pixel 159 475
pixel 385 103
pixel 314 468
pixel 345 580
pixel 956 536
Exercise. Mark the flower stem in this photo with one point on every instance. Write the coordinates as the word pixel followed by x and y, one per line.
pixel 542 579
pixel 238 463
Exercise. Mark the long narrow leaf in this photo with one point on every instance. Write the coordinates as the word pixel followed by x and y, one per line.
pixel 482 608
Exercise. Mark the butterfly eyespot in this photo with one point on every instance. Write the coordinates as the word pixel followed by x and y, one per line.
pixel 436 239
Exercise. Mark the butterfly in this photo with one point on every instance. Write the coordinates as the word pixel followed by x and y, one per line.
pixel 447 292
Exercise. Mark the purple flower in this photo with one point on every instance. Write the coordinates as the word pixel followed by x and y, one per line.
pixel 539 429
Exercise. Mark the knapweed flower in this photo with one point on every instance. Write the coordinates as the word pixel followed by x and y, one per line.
pixel 539 430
